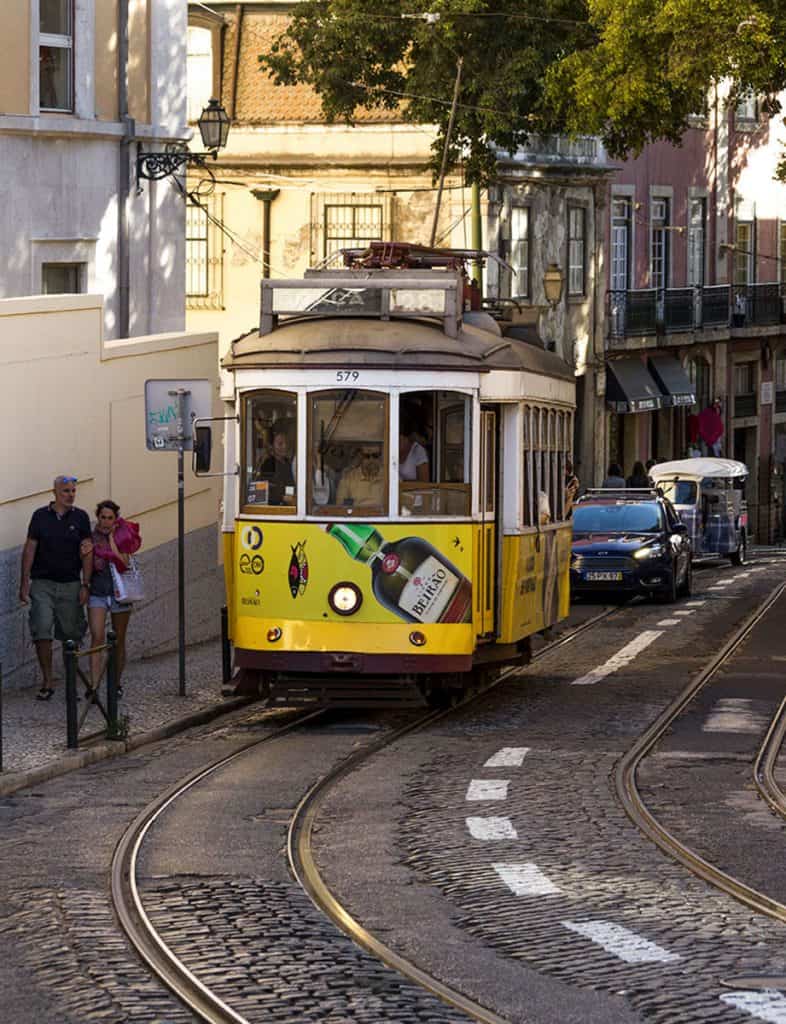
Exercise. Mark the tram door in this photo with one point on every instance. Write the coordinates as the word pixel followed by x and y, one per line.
pixel 487 548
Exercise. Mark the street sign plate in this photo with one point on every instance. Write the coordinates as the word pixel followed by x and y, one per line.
pixel 163 431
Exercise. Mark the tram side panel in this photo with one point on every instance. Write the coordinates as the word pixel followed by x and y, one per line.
pixel 536 581
pixel 292 584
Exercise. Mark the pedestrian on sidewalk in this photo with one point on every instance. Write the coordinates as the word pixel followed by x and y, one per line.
pixel 57 566
pixel 114 541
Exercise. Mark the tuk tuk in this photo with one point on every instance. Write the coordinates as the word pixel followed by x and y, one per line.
pixel 709 495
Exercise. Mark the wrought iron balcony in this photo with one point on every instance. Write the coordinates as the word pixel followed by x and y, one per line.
pixel 756 304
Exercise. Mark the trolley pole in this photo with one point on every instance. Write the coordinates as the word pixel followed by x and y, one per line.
pixel 446 150
pixel 179 395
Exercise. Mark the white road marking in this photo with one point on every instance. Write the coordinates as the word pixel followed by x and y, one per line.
pixel 488 789
pixel 627 945
pixel 491 828
pixel 620 659
pixel 681 614
pixel 525 879
pixel 668 622
pixel 718 586
pixel 767 1005
pixel 508 757
pixel 694 604
pixel 736 714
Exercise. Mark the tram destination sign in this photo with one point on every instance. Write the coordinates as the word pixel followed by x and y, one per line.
pixel 171 406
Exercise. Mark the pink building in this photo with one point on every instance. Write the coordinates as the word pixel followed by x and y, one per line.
pixel 696 259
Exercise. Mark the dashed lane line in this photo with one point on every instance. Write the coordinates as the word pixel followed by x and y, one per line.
pixel 681 615
pixel 767 1005
pixel 668 622
pixel 625 944
pixel 620 659
pixel 508 757
pixel 488 789
pixel 491 828
pixel 695 604
pixel 526 880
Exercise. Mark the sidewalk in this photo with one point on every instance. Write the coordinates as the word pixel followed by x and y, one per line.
pixel 34 732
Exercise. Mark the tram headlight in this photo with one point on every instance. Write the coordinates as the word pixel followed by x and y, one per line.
pixel 345 598
pixel 651 551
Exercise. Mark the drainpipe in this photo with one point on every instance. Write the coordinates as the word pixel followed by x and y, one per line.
pixel 123 174
pixel 266 197
pixel 239 11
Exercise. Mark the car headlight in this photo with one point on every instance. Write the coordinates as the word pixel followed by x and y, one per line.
pixel 345 598
pixel 651 551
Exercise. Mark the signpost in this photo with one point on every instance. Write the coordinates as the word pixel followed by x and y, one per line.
pixel 171 406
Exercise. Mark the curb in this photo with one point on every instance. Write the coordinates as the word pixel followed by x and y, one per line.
pixel 74 760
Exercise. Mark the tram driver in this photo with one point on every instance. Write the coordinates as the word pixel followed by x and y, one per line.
pixel 279 469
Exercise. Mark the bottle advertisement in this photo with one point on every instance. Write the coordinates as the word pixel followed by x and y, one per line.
pixel 405 573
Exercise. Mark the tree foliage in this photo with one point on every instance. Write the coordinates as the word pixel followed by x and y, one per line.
pixel 655 61
pixel 355 53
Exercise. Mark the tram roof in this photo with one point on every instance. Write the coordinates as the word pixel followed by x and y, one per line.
pixel 320 342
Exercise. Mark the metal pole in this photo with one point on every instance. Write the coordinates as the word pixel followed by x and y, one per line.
pixel 111 686
pixel 72 720
pixel 448 133
pixel 226 652
pixel 477 236
pixel 180 395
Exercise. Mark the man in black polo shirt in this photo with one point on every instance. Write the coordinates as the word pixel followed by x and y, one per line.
pixel 58 550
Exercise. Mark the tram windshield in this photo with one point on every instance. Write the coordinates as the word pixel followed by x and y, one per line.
pixel 347 452
pixel 622 518
pixel 434 453
pixel 270 447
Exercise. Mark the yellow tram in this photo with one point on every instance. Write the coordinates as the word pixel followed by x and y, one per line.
pixel 393 513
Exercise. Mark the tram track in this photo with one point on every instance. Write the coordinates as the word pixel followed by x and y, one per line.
pixel 162 961
pixel 627 790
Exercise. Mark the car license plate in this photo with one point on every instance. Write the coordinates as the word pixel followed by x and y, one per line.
pixel 603 577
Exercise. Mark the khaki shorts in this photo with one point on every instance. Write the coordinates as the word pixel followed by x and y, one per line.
pixel 55 607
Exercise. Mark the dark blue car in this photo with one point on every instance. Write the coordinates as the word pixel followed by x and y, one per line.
pixel 630 542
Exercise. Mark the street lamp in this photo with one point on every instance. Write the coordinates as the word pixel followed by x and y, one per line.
pixel 213 126
pixel 552 284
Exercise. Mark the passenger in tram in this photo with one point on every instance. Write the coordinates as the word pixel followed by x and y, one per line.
pixel 278 469
pixel 572 487
pixel 413 462
pixel 363 486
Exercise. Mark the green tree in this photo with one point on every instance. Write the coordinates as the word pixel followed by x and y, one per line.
pixel 655 60
pixel 388 55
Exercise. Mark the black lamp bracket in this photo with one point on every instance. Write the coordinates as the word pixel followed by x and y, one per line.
pixel 155 166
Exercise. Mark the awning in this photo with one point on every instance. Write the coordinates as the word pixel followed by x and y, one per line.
pixel 672 380
pixel 630 388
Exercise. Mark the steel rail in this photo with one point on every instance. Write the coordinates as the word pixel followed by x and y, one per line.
pixel 303 865
pixel 764 766
pixel 628 793
pixel 136 924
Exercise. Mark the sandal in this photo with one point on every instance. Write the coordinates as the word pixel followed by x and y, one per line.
pixel 45 693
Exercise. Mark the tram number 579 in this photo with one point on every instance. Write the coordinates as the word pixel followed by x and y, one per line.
pixel 347 376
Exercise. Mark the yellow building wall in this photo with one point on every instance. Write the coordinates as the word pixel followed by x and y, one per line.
pixel 106 60
pixel 15 65
pixel 139 60
pixel 74 404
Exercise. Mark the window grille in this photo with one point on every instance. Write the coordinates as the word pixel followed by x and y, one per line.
pixel 204 254
pixel 577 244
pixel 347 220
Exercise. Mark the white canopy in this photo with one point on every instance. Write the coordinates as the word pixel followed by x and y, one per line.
pixel 697 469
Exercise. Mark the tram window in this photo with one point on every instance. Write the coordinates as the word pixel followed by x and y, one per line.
pixel 347 452
pixel 546 442
pixel 270 447
pixel 434 453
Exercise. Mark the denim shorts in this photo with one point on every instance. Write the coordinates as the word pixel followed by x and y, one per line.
pixel 109 603
pixel 55 607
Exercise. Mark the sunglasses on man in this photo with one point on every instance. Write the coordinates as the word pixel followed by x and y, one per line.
pixel 66 480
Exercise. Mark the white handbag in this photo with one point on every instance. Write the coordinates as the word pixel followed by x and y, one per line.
pixel 129 585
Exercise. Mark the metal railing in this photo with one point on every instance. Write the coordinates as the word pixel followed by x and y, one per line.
pixel 115 730
pixel 638 311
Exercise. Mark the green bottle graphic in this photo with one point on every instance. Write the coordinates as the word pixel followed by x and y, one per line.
pixel 408 576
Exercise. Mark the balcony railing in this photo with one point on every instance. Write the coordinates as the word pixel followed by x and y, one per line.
pixel 663 311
